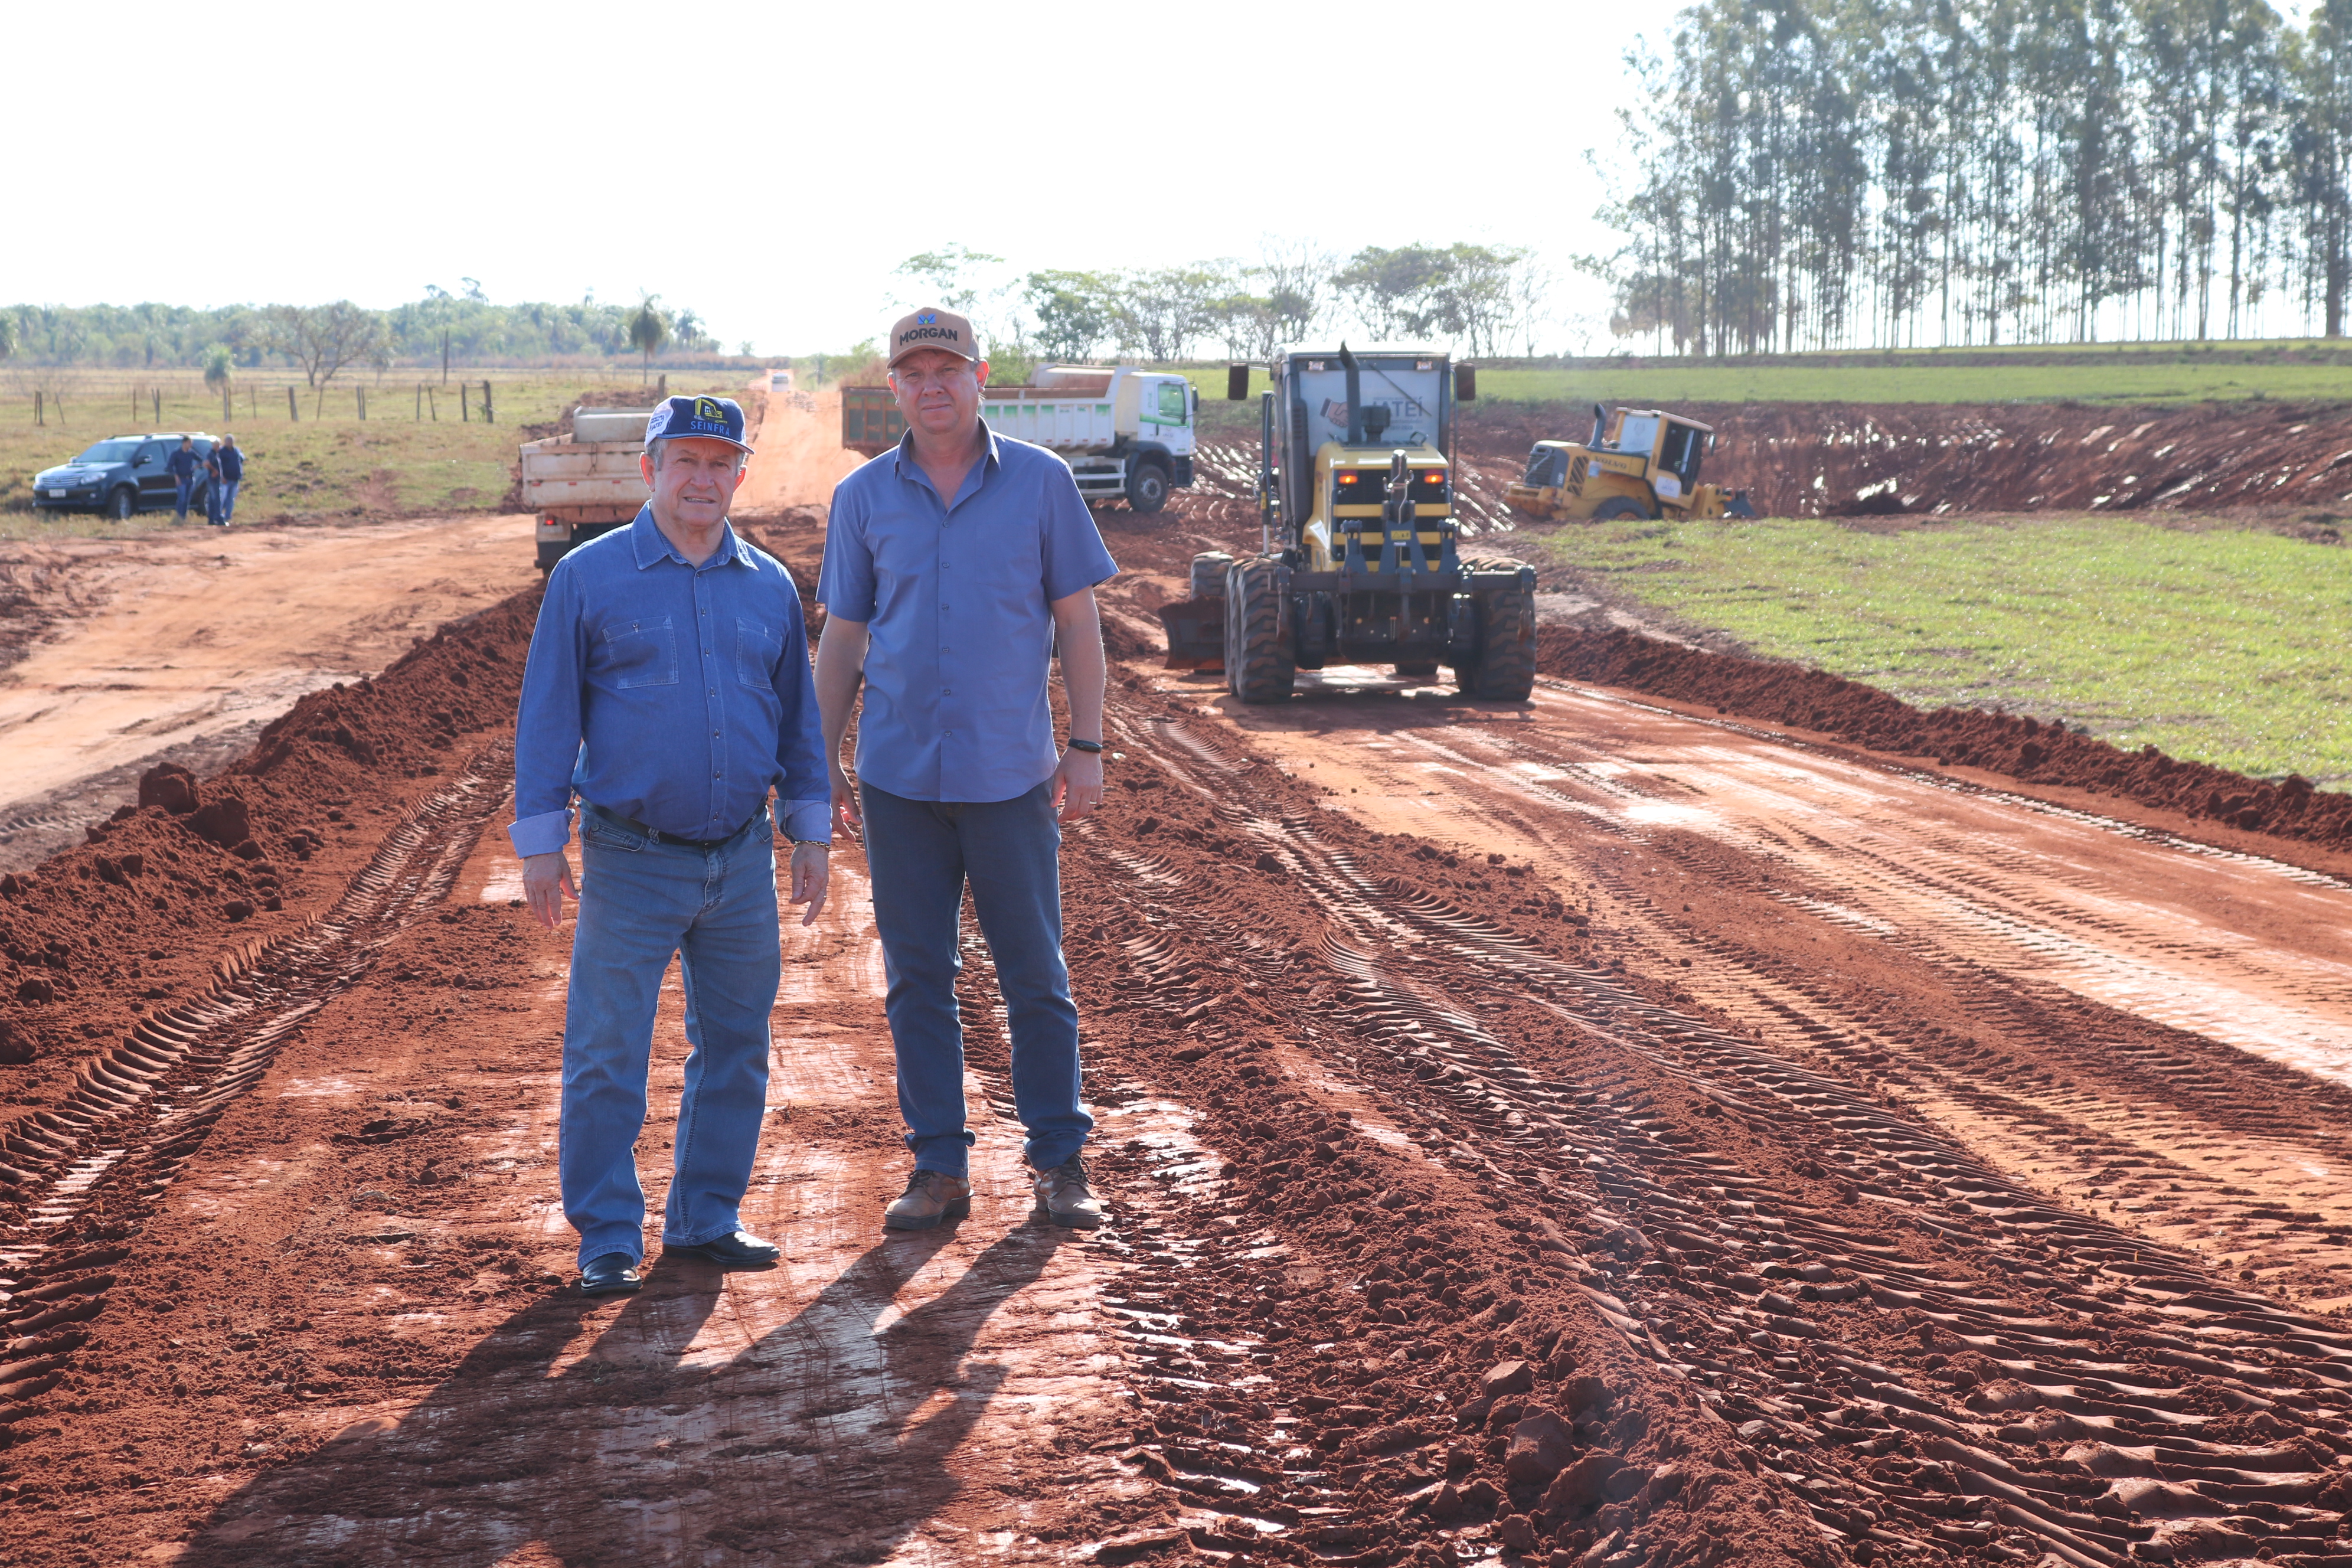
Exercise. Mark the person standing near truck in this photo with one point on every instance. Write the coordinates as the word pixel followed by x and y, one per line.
pixel 953 564
pixel 668 689
pixel 184 466
pixel 228 472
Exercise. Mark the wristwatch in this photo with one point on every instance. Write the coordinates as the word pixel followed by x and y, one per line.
pixel 818 843
pixel 1079 745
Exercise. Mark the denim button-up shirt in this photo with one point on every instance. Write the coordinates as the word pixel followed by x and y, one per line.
pixel 674 694
pixel 956 598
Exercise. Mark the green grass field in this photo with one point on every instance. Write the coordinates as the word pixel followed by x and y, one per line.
pixel 2154 374
pixel 2220 643
pixel 316 466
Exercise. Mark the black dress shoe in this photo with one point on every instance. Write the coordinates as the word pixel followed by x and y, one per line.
pixel 737 1249
pixel 615 1274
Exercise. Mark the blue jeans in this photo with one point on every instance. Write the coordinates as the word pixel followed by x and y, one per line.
pixel 223 502
pixel 640 901
pixel 187 489
pixel 920 855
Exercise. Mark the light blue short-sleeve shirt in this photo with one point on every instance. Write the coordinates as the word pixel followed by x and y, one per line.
pixel 956 601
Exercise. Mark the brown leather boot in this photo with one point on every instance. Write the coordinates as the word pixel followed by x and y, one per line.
pixel 1065 1196
pixel 930 1196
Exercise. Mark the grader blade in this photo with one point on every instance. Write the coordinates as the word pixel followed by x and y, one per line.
pixel 1196 634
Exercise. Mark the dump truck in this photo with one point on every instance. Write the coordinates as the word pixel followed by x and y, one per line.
pixel 1638 462
pixel 586 483
pixel 1357 560
pixel 1125 433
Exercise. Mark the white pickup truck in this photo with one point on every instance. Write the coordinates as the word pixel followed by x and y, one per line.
pixel 1123 431
pixel 586 483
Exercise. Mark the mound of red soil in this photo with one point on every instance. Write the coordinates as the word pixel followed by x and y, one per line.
pixel 1816 459
pixel 139 913
pixel 2027 750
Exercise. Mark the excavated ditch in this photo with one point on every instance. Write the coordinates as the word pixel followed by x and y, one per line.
pixel 1840 459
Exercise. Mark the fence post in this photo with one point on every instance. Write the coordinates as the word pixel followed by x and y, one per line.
pixel 488 416
pixel 465 401
pixel 433 405
pixel 363 391
pixel 157 394
pixel 227 415
pixel 293 408
pixel 661 387
pixel 39 416
pixel 420 403
pixel 135 404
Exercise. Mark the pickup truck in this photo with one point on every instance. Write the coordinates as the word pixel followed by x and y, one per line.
pixel 1124 432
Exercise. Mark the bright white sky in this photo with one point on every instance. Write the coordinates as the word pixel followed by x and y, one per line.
pixel 767 165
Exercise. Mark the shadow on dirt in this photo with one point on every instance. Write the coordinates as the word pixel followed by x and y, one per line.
pixel 823 1439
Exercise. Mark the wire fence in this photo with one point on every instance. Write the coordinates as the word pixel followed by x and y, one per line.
pixel 43 395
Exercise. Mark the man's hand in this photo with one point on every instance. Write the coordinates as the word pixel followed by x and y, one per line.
pixel 545 879
pixel 1077 786
pixel 844 802
pixel 812 870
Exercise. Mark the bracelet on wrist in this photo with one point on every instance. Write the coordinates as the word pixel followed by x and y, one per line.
pixel 1079 745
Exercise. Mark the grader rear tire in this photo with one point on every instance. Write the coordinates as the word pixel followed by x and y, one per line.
pixel 1505 671
pixel 1209 574
pixel 1260 664
pixel 1620 508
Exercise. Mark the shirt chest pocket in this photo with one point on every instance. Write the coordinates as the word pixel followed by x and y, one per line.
pixel 641 652
pixel 756 650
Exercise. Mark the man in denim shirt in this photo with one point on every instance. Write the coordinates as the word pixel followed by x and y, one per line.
pixel 668 690
pixel 953 566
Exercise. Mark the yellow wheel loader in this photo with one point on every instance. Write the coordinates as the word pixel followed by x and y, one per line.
pixel 1357 562
pixel 1640 462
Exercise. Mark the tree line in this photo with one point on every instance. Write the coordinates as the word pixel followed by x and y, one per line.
pixel 445 327
pixel 1483 298
pixel 1827 174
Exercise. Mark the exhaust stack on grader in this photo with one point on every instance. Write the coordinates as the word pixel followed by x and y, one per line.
pixel 1357 560
pixel 1640 462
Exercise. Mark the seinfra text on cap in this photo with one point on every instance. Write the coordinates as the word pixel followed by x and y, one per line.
pixel 713 418
pixel 932 328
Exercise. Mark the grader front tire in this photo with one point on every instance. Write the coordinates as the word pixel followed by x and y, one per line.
pixel 1505 671
pixel 1260 664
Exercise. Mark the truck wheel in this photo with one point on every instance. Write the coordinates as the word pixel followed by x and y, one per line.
pixel 1619 508
pixel 1504 669
pixel 123 504
pixel 1259 663
pixel 1209 574
pixel 1146 488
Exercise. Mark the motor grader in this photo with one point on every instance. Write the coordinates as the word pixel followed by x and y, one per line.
pixel 1357 560
pixel 1640 462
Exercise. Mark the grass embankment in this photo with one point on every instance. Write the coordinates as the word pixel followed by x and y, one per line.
pixel 2218 643
pixel 2153 374
pixel 319 465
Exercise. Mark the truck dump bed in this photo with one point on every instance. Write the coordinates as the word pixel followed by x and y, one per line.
pixel 594 468
pixel 1071 419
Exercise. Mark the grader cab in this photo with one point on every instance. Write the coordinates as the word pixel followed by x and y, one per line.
pixel 1638 462
pixel 1358 560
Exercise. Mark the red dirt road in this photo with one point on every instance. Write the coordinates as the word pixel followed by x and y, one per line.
pixel 1576 1133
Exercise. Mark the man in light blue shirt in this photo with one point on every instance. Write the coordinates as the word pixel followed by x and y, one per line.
pixel 667 693
pixel 953 565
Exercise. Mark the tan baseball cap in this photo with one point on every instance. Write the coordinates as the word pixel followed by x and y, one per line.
pixel 932 328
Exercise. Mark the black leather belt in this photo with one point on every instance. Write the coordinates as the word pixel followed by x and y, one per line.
pixel 630 825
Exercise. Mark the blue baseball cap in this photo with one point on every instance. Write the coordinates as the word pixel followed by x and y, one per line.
pixel 718 418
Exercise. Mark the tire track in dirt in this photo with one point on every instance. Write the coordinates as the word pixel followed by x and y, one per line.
pixel 92 1168
pixel 1910 1374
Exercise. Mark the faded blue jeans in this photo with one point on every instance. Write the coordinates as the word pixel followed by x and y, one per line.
pixel 641 901
pixel 920 855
